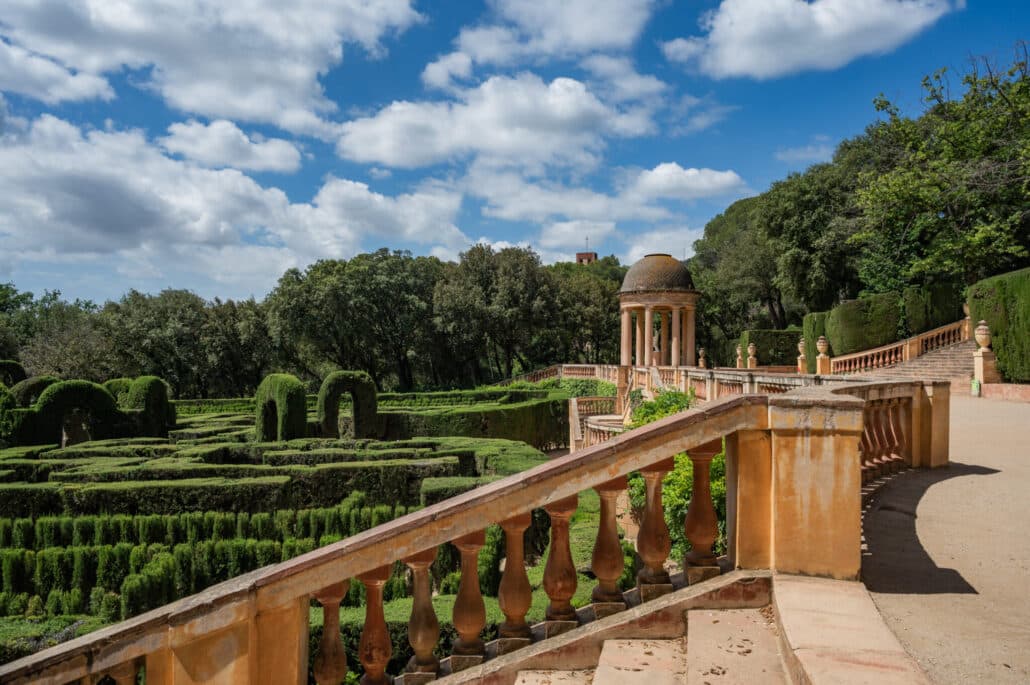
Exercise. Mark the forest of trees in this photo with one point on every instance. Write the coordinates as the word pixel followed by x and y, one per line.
pixel 942 198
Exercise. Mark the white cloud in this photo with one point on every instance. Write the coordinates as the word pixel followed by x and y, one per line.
pixel 819 150
pixel 769 38
pixel 692 114
pixel 253 61
pixel 622 79
pixel 675 240
pixel 441 73
pixel 573 234
pixel 113 197
pixel 44 79
pixel 518 120
pixel 221 143
pixel 670 180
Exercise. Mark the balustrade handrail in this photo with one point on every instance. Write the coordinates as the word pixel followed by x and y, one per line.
pixel 274 588
pixel 910 347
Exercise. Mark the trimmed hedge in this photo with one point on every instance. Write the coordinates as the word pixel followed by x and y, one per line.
pixel 1004 303
pixel 775 347
pixel 928 307
pixel 27 392
pixel 118 387
pixel 11 372
pixel 8 404
pixel 863 324
pixel 148 395
pixel 813 326
pixel 363 399
pixel 281 408
pixel 44 422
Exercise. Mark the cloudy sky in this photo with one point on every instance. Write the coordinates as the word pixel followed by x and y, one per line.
pixel 210 144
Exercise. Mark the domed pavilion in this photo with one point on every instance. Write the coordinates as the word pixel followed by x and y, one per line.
pixel 658 291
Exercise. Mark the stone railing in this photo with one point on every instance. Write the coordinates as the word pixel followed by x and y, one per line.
pixel 793 492
pixel 554 371
pixel 903 351
pixel 581 409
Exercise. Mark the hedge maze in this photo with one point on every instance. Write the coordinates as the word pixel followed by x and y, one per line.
pixel 159 499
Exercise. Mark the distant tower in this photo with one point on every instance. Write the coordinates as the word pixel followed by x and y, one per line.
pixel 587 257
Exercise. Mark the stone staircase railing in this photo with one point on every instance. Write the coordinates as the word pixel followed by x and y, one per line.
pixel 794 475
pixel 903 351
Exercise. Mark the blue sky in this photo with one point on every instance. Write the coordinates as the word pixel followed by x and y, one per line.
pixel 211 145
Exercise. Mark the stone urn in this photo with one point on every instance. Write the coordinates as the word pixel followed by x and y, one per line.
pixel 751 349
pixel 983 335
pixel 701 357
pixel 822 344
pixel 801 347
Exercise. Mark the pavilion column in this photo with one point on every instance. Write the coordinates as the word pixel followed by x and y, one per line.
pixel 626 350
pixel 677 336
pixel 641 360
pixel 688 337
pixel 648 336
pixel 664 343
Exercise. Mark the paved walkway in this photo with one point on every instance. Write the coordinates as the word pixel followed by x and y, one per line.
pixel 948 560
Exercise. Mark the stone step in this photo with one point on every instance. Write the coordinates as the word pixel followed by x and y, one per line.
pixel 554 678
pixel 642 662
pixel 733 646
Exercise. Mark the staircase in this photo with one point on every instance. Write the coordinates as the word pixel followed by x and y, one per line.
pixel 951 363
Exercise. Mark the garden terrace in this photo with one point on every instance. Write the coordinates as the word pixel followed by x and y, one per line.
pixel 794 499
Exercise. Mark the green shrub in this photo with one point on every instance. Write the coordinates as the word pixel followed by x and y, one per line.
pixel 281 408
pixel 11 372
pixel 23 533
pixel 774 347
pixel 119 387
pixel 148 395
pixel 665 403
pixel 586 387
pixel 927 307
pixel 363 400
pixel 28 391
pixel 1004 303
pixel 47 417
pixel 10 418
pixel 863 324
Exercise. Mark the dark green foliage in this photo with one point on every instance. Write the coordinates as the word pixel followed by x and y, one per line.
pixel 10 421
pixel 435 490
pixel 26 392
pixel 11 372
pixel 153 586
pixel 148 395
pixel 774 348
pixel 927 307
pixel 1004 303
pixel 119 387
pixel 813 327
pixel 363 401
pixel 863 324
pixel 92 401
pixel 281 408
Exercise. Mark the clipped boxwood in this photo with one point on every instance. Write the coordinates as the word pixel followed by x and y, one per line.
pixel 813 326
pixel 863 324
pixel 775 347
pixel 60 399
pixel 1004 303
pixel 8 403
pixel 11 372
pixel 363 399
pixel 281 408
pixel 118 387
pixel 148 395
pixel 28 391
pixel 927 307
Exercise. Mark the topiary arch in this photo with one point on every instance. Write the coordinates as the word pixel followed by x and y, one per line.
pixel 11 372
pixel 148 395
pixel 363 394
pixel 281 408
pixel 29 390
pixel 118 387
pixel 59 400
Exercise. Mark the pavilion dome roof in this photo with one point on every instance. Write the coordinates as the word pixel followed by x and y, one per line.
pixel 657 273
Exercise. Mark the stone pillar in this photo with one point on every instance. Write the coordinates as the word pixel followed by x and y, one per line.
pixel 374 648
pixel 626 349
pixel 560 570
pixel 330 667
pixel 607 561
pixel 469 609
pixel 985 364
pixel 689 336
pixel 677 337
pixel 653 541
pixel 423 626
pixel 701 526
pixel 749 499
pixel 649 336
pixel 822 362
pixel 640 357
pixel 663 344
pixel 515 593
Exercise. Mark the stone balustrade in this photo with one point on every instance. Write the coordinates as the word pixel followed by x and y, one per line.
pixel 794 473
pixel 905 350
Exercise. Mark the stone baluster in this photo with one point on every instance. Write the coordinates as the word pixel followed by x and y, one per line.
pixel 701 526
pixel 423 626
pixel 607 561
pixel 896 434
pixel 653 541
pixel 330 666
pixel 515 593
pixel 866 447
pixel 124 673
pixel 469 610
pixel 560 571
pixel 881 455
pixel 374 649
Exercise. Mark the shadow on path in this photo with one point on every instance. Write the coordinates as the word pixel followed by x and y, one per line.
pixel 895 560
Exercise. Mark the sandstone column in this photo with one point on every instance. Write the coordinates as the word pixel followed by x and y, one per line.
pixel 653 541
pixel 560 571
pixel 330 667
pixel 677 337
pixel 374 649
pixel 469 610
pixel 423 626
pixel 626 348
pixel 515 593
pixel 641 359
pixel 663 343
pixel 701 526
pixel 648 336
pixel 607 562
pixel 688 336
